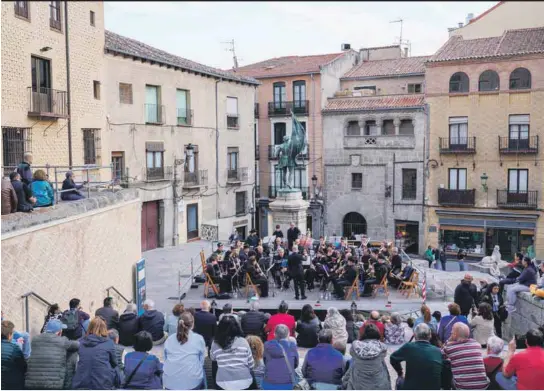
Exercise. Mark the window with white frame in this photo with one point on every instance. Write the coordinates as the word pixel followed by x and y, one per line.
pixel 232 112
pixel 457 179
pixel 458 130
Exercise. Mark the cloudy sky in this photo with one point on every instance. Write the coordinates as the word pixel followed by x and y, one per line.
pixel 261 30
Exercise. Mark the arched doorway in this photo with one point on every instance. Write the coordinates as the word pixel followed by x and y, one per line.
pixel 353 222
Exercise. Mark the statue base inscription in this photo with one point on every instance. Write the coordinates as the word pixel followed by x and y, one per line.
pixel 289 207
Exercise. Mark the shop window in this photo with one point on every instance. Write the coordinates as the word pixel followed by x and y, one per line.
pixel 470 239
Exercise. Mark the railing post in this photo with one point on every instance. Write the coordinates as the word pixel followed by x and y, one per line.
pixel 27 320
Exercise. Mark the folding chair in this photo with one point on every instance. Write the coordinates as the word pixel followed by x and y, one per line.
pixel 354 286
pixel 382 284
pixel 410 286
pixel 209 282
pixel 251 285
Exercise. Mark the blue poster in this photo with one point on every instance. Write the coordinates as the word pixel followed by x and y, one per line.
pixel 140 285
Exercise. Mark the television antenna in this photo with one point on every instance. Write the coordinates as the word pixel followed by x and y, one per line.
pixel 402 41
pixel 232 49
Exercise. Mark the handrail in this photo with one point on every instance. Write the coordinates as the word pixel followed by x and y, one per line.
pixel 27 310
pixel 119 293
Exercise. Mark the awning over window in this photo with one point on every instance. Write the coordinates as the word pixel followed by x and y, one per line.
pixel 154 146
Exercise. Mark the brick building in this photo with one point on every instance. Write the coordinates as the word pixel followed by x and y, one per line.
pixel 300 84
pixel 485 182
pixel 375 127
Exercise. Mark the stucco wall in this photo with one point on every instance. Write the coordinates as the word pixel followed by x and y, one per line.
pixel 388 86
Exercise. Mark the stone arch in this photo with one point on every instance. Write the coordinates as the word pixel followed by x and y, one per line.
pixel 353 222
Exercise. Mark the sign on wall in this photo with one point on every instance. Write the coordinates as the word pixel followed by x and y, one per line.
pixel 139 277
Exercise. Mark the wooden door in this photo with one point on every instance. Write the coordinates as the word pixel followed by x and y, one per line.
pixel 150 225
pixel 192 221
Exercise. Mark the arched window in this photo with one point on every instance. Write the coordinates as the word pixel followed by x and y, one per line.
pixel 459 82
pixel 520 79
pixel 353 222
pixel 353 128
pixel 406 127
pixel 489 81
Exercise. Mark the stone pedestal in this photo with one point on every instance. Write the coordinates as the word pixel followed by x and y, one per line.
pixel 289 207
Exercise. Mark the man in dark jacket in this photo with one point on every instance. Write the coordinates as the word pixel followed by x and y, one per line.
pixel 323 364
pixel 252 239
pixel 70 189
pixel 110 316
pixel 205 323
pixel 253 322
pixel 466 295
pixel 128 325
pixel 152 321
pixel 24 169
pixel 292 234
pixel 296 271
pixel 76 319
pixel 53 361
pixel 13 362
pixel 25 199
pixel 9 197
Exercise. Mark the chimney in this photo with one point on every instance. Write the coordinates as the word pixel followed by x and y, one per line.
pixel 406 51
pixel 345 47
pixel 469 18
pixel 460 24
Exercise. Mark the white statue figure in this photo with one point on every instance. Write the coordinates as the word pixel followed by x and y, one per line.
pixel 493 261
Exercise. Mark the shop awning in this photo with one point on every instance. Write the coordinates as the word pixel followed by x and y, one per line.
pixel 461 228
pixel 487 223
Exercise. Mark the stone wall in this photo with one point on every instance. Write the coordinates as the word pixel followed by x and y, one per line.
pixel 76 249
pixel 529 314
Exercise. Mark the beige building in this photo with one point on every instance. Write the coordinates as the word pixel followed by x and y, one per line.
pixel 36 115
pixel 485 186
pixel 180 132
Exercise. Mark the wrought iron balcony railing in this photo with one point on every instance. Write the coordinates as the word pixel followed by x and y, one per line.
pixel 279 109
pixel 195 179
pixel 456 197
pixel 157 173
pixel 517 200
pixel 518 145
pixel 47 102
pixel 237 175
pixel 466 145
pixel 184 117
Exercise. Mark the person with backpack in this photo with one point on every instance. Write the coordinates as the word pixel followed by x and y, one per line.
pixel 76 321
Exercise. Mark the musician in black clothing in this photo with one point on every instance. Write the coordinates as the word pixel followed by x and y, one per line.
pixel 278 233
pixel 276 270
pixel 214 271
pixel 365 259
pixel 244 254
pixel 292 234
pixel 380 270
pixel 348 276
pixel 396 261
pixel 320 246
pixel 277 244
pixel 220 250
pixel 256 275
pixel 294 264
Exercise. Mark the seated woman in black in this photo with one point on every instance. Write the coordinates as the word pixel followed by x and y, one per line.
pixel 73 193
pixel 307 328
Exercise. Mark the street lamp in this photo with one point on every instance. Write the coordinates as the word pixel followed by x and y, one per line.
pixel 484 178
pixel 314 184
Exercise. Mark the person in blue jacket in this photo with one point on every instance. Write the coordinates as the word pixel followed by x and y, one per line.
pixel 13 363
pixel 324 365
pixel 143 371
pixel 42 190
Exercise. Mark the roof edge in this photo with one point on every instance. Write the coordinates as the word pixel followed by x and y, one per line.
pixel 348 78
pixel 345 111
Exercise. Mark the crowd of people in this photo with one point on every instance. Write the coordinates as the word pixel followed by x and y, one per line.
pixel 24 190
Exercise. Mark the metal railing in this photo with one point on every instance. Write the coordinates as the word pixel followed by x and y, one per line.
pixel 118 293
pixel 274 150
pixel 517 200
pixel 157 173
pixel 518 145
pixel 457 145
pixel 154 114
pixel 237 175
pixel 273 191
pixel 195 179
pixel 47 102
pixel 278 109
pixel 232 121
pixel 184 117
pixel 27 309
pixel 409 192
pixel 456 197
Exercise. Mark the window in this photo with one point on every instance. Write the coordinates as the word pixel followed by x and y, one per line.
pixel 280 95
pixel 42 96
pixel 519 127
pixel 279 132
pixel 458 132
pixel 90 141
pixel 520 79
pixel 517 181
pixel 54 15
pixel 21 9
pixel 353 128
pixel 96 89
pixel 389 127
pixel 409 183
pixel 370 128
pixel 370 90
pixel 241 203
pixel 232 162
pixel 232 113
pixel 459 82
pixel 118 162
pixel 153 109
pixel 489 81
pixel 15 142
pixel 406 127
pixel 91 16
pixel 356 181
pixel 182 108
pixel 299 94
pixel 414 88
pixel 457 179
pixel 154 160
pixel 125 93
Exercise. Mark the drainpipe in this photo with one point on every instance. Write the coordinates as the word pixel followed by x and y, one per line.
pixel 217 156
pixel 68 100
pixel 313 125
pixel 426 151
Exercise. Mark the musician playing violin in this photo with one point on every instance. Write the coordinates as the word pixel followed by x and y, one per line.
pixel 257 276
pixel 214 271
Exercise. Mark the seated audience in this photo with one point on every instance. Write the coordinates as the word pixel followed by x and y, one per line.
pixel 426 318
pixel 42 190
pixel 184 354
pixel 128 325
pixel 113 334
pixel 25 199
pixel 394 330
pixel 143 371
pixel 205 323
pixel 467 363
pixel 228 311
pixel 108 313
pixel 280 360
pixel 447 322
pixel 76 320
pixel 424 363
pixel 233 356
pixel 307 328
pixel 282 317
pixel 337 324
pixel 527 278
pixel 73 193
pixel 368 370
pixel 13 362
pixel 53 312
pixel 253 322
pixel 257 350
pixel 437 315
pixel 374 319
pixel 152 321
pixel 97 362
pixel 24 168
pixel 172 320
pixel 493 362
pixel 324 365
pixel 523 370
pixel 9 197
pixel 351 328
pixel 482 325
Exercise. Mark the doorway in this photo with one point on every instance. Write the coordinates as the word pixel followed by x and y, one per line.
pixel 407 236
pixel 242 231
pixel 353 223
pixel 150 225
pixel 192 221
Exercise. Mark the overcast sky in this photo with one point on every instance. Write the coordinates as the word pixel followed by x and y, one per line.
pixel 263 30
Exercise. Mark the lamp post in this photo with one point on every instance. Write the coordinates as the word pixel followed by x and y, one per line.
pixel 314 185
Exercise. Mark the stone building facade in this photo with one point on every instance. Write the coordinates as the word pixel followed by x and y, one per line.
pixel 485 147
pixel 374 156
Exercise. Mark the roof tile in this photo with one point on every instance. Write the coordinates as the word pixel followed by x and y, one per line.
pixel 375 103
pixel 391 67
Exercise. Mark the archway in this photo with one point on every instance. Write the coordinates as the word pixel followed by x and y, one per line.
pixel 353 222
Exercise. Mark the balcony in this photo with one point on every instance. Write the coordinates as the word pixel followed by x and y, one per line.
pixel 457 145
pixel 151 174
pixel 509 145
pixel 380 142
pixel 273 191
pixel 517 200
pixel 237 175
pixel 256 110
pixel 154 114
pixel 283 109
pixel 232 121
pixel 273 153
pixel 449 197
pixel 184 117
pixel 195 179
pixel 257 152
pixel 47 103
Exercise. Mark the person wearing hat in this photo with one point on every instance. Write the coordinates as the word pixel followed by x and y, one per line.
pixel 220 250
pixel 53 361
pixel 252 239
pixel 466 295
pixel 70 191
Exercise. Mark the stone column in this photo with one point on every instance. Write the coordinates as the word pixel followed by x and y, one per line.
pixel 396 123
pixel 362 127
pixel 379 125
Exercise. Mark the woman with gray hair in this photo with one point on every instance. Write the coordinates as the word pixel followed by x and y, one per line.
pixel 493 362
pixel 394 330
pixel 128 325
pixel 280 360
pixel 335 322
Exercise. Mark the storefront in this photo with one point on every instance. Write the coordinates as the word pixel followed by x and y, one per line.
pixel 478 233
pixel 407 236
